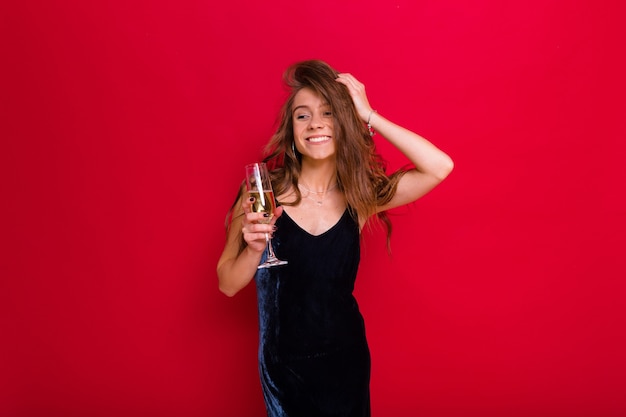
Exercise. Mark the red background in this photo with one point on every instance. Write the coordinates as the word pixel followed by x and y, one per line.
pixel 125 126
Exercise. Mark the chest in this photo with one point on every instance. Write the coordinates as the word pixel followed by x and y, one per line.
pixel 316 218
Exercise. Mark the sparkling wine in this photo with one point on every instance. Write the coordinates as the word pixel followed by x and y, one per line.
pixel 259 186
pixel 263 203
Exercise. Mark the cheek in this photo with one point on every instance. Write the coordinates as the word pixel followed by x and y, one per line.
pixel 298 133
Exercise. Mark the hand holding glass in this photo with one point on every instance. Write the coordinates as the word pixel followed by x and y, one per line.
pixel 259 186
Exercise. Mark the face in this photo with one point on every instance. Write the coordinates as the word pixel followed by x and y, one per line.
pixel 313 126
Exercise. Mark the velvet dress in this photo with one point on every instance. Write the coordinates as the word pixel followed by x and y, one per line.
pixel 313 354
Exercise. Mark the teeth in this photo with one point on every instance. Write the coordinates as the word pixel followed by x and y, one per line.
pixel 319 139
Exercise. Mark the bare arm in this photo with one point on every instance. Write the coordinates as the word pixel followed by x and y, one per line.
pixel 431 164
pixel 236 269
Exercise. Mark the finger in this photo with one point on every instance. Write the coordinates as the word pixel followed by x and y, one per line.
pixel 277 213
pixel 346 75
pixel 257 229
pixel 256 241
pixel 253 217
pixel 246 204
pixel 350 80
pixel 252 235
pixel 355 89
pixel 343 79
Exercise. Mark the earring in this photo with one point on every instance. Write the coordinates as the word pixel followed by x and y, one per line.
pixel 293 148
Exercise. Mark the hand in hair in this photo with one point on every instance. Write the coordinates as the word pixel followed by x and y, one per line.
pixel 357 92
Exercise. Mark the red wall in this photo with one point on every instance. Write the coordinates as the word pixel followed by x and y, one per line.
pixel 125 126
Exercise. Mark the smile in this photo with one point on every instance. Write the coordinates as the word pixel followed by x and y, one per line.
pixel 318 139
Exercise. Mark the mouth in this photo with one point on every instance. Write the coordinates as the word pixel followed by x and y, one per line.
pixel 318 139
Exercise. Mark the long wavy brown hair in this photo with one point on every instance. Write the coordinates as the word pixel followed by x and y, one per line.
pixel 361 171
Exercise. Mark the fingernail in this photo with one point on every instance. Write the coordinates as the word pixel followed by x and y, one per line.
pixel 274 227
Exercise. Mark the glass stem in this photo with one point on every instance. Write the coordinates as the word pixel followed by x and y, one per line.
pixel 270 250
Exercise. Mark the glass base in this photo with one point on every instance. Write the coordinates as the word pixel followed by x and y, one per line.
pixel 271 262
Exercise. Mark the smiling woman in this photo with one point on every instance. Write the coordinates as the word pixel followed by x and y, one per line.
pixel 313 126
pixel 505 293
pixel 329 180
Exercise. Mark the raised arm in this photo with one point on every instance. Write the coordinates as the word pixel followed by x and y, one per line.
pixel 235 268
pixel 431 164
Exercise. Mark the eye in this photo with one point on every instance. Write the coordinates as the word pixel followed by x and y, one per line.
pixel 328 113
pixel 302 116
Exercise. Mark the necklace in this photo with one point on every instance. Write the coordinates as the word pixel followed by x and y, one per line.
pixel 323 193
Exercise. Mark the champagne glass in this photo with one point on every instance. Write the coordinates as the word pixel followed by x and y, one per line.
pixel 259 186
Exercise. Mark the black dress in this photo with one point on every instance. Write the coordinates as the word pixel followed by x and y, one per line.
pixel 313 354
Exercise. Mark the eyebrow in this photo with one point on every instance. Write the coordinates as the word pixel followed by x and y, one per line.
pixel 304 106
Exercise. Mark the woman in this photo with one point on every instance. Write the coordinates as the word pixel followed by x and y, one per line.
pixel 329 180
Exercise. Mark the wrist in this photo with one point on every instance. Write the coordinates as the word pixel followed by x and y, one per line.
pixel 369 122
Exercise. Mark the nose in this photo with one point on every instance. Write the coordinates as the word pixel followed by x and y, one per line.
pixel 316 121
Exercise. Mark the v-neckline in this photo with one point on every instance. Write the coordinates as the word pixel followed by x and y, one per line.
pixel 311 234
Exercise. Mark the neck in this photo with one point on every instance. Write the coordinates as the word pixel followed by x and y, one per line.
pixel 318 178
